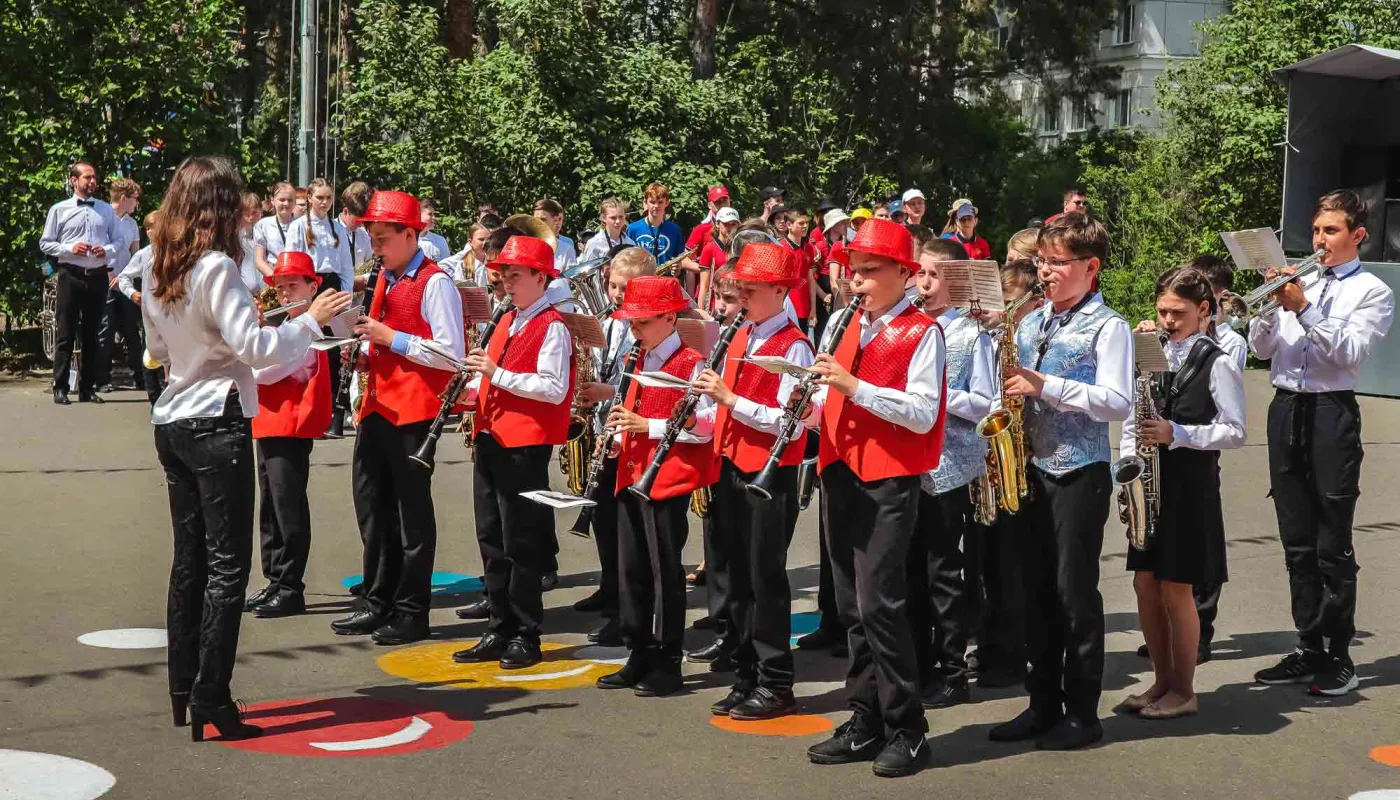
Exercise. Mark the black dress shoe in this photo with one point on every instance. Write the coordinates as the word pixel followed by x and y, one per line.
pixel 1072 733
pixel 1202 653
pixel 488 648
pixel 520 654
pixel 263 595
pixel 481 609
pixel 591 603
pixel 664 679
pixel 1142 652
pixel 360 623
pixel 765 703
pixel 609 634
pixel 637 666
pixel 708 653
pixel 820 639
pixel 358 589
pixel 1027 725
pixel 402 629
pixel 946 694
pixel 549 581
pixel 281 605
pixel 855 740
pixel 737 695
pixel 904 754
pixel 60 398
pixel 90 397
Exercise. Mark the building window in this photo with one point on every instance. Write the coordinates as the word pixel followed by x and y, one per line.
pixel 1050 116
pixel 1079 116
pixel 1122 108
pixel 1125 26
pixel 1004 36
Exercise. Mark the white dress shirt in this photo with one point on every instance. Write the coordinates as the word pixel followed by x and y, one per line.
pixel 916 407
pixel 1234 345
pixel 272 236
pixel 1322 349
pixel 1226 430
pixel 560 295
pixel 1110 397
pixel 565 254
pixel 600 243
pixel 434 246
pixel 128 241
pixel 704 427
pixel 455 264
pixel 769 419
pixel 975 402
pixel 334 250
pixel 299 371
pixel 126 281
pixel 210 340
pixel 441 308
pixel 68 223
pixel 619 338
pixel 248 267
pixel 549 383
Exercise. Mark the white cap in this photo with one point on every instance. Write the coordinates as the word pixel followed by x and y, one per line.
pixel 727 214
pixel 833 217
pixel 913 193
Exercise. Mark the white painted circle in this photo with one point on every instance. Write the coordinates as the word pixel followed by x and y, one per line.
pixel 44 776
pixel 602 655
pixel 126 639
pixel 1377 794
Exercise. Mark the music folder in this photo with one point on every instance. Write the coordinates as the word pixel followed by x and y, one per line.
pixel 1148 353
pixel 1256 249
pixel 659 380
pixel 343 324
pixel 973 285
pixel 332 343
pixel 476 304
pixel 585 329
pixel 557 500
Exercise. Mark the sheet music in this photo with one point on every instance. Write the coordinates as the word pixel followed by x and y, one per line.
pixel 659 380
pixel 1148 353
pixel 973 284
pixel 1256 249
pixel 585 329
pixel 699 334
pixel 332 343
pixel 343 324
pixel 476 304
pixel 557 500
pixel 776 365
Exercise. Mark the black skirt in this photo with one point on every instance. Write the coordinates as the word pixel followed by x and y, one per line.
pixel 1188 544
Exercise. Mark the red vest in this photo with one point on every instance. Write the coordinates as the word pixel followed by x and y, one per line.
pixel 516 421
pixel 873 448
pixel 399 390
pixel 747 447
pixel 292 408
pixel 688 466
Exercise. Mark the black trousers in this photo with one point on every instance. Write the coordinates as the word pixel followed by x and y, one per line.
pixel 826 584
pixel 209 476
pixel 330 282
pixel 755 534
pixel 394 507
pixel 940 610
pixel 515 534
pixel 1315 477
pixel 82 297
pixel 1061 538
pixel 651 535
pixel 869 527
pixel 121 318
pixel 605 536
pixel 1001 632
pixel 716 583
pixel 284 519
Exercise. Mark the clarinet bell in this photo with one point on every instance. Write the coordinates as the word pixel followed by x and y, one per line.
pixel 759 487
pixel 583 524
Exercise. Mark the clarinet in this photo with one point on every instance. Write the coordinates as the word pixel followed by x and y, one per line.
pixel 792 418
pixel 347 369
pixel 642 488
pixel 600 454
pixel 450 395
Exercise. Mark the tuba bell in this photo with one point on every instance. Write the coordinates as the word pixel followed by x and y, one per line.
pixel 528 225
pixel 589 288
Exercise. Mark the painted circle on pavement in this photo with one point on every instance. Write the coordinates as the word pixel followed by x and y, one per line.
pixel 804 622
pixel 564 667
pixel 791 725
pixel 1388 755
pixel 26 775
pixel 126 639
pixel 445 583
pixel 346 727
pixel 1377 794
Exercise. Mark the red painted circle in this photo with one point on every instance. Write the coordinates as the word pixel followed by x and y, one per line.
pixel 346 727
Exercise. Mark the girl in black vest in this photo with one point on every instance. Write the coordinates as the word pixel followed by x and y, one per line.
pixel 1199 412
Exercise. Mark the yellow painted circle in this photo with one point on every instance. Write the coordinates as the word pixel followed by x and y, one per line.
pixel 432 663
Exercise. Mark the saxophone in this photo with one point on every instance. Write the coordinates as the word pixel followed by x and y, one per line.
pixel 1004 486
pixel 1135 475
pixel 577 452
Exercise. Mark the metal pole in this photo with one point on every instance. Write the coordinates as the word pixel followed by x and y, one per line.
pixel 306 162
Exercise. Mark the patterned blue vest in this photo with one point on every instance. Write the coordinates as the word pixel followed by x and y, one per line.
pixel 964 454
pixel 1063 441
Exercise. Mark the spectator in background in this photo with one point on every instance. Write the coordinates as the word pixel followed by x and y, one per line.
pixel 772 197
pixel 896 210
pixel 858 218
pixel 880 209
pixel 653 232
pixel 301 203
pixel 354 201
pixel 433 245
pixel 803 293
pixel 717 198
pixel 470 264
pixel 125 195
pixel 551 213
pixel 612 216
pixel 483 210
pixel 250 212
pixel 914 206
pixel 1075 202
pixel 715 252
pixel 961 226
pixel 270 233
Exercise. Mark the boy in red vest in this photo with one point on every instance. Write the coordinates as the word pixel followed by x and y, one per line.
pixel 881 416
pixel 414 302
pixel 652 533
pixel 523 389
pixel 753 533
pixel 294 407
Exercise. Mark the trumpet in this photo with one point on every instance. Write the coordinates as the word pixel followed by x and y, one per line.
pixel 1005 483
pixel 600 450
pixel 1260 300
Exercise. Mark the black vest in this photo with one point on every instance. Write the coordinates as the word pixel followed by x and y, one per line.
pixel 1185 394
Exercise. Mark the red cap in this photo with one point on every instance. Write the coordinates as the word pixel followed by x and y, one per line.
pixel 762 262
pixel 400 208
pixel 526 251
pixel 718 193
pixel 882 237
pixel 651 296
pixel 293 264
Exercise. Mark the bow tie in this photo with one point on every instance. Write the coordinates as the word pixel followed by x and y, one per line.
pixel 82 202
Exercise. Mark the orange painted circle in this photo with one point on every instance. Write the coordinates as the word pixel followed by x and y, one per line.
pixel 1388 755
pixel 791 725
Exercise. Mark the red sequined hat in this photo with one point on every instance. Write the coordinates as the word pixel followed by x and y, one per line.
pixel 882 237
pixel 762 262
pixel 651 296
pixel 293 264
pixel 400 208
pixel 526 251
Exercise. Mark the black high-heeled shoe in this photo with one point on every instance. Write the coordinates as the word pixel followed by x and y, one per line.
pixel 179 703
pixel 228 720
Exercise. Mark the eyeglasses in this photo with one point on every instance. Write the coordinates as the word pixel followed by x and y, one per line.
pixel 1055 263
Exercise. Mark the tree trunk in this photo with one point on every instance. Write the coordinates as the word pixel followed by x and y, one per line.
pixel 461 28
pixel 702 39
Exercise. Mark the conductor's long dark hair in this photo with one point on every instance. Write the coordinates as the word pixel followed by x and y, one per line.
pixel 201 213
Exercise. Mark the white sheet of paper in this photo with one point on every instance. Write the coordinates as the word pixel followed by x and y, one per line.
pixel 343 324
pixel 776 365
pixel 557 500
pixel 1148 353
pixel 1256 249
pixel 441 352
pixel 332 343
pixel 973 283
pixel 660 380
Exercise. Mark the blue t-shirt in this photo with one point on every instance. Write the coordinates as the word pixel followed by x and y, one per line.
pixel 664 242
